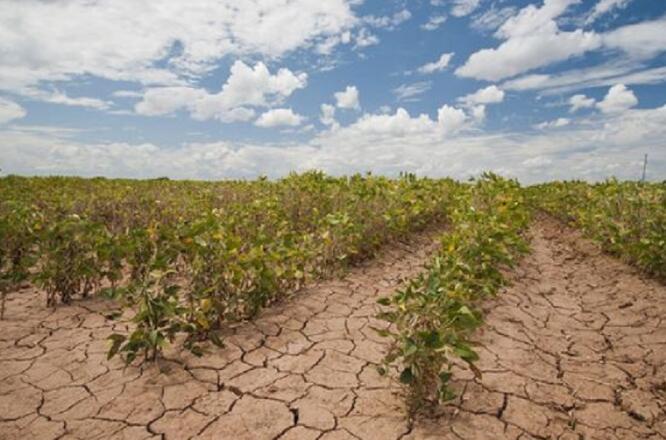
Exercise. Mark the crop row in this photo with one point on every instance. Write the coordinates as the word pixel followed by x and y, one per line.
pixel 432 318
pixel 628 219
pixel 189 256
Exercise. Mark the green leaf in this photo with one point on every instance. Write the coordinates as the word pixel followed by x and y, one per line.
pixel 466 353
pixel 445 376
pixel 385 301
pixel 116 342
pixel 381 332
pixel 433 340
pixel 215 339
pixel 407 377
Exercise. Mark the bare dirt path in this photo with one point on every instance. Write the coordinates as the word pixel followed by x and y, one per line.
pixel 575 349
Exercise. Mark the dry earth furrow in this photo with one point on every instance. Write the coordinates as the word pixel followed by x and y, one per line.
pixel 304 369
pixel 575 349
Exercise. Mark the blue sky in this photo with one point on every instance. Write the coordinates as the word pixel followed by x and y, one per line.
pixel 213 89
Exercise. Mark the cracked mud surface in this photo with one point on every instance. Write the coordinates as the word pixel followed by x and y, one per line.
pixel 575 349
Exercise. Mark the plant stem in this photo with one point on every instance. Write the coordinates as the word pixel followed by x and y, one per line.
pixel 2 303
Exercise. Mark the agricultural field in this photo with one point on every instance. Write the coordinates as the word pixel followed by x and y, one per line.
pixel 319 307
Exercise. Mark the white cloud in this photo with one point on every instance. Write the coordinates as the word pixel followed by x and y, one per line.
pixel 348 98
pixel 408 92
pixel 518 55
pixel 365 38
pixel 279 117
pixel 527 82
pixel 479 113
pixel 63 99
pixel 537 162
pixel 256 86
pixel 327 46
pixel 9 110
pixel 125 39
pixel 401 124
pixel 611 144
pixel 328 115
pixel 603 7
pixel 246 87
pixel 618 100
pixel 578 102
pixel 616 71
pixel 492 18
pixel 127 94
pixel 532 39
pixel 237 114
pixel 462 8
pixel 434 22
pixel 641 40
pixel 450 119
pixel 437 66
pixel 58 97
pixel 557 123
pixel 166 100
pixel 388 22
pixel 488 95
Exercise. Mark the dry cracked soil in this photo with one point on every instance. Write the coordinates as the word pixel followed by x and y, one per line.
pixel 575 348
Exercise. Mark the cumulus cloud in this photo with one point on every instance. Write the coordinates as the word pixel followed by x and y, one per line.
pixel 437 66
pixel 401 124
pixel 532 39
pixel 385 144
pixel 434 22
pixel 164 44
pixel 618 100
pixel 348 98
pixel 279 117
pixel 9 110
pixel 246 87
pixel 450 119
pixel 488 95
pixel 578 102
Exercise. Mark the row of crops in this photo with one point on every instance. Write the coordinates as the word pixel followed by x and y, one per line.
pixel 628 219
pixel 434 315
pixel 189 256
